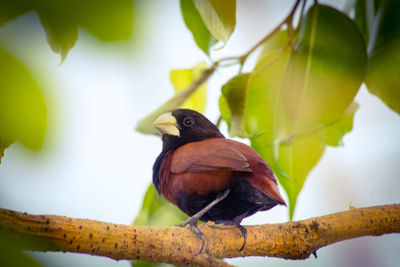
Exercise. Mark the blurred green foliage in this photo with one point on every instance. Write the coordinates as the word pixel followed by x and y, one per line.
pixel 156 211
pixel 23 113
pixel 363 16
pixel 22 106
pixel 383 76
pixel 106 20
pixel 182 78
pixel 11 252
pixel 233 104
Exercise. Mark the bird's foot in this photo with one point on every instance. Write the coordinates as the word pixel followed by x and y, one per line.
pixel 243 231
pixel 192 223
pixel 244 234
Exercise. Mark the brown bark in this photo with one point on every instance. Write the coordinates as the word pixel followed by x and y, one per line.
pixel 291 240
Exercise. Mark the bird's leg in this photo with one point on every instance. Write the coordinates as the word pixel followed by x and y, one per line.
pixel 198 215
pixel 192 221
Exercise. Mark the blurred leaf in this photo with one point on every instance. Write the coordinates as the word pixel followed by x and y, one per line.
pixel 156 211
pixel 234 94
pixel 4 143
pixel 184 98
pixel 332 133
pixel 301 102
pixel 182 78
pixel 363 16
pixel 10 9
pixel 106 20
pixel 150 264
pixel 22 106
pixel 203 38
pixel 377 4
pixel 61 31
pixel 383 75
pixel 225 110
pixel 11 252
pixel 218 16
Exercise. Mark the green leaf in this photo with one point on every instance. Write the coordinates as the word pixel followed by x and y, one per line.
pixel 184 97
pixel 11 9
pixel 333 132
pixel 4 143
pixel 300 99
pixel 150 264
pixel 383 75
pixel 106 20
pixel 61 30
pixel 156 211
pixel 203 38
pixel 363 16
pixel 22 106
pixel 11 251
pixel 234 94
pixel 182 78
pixel 218 16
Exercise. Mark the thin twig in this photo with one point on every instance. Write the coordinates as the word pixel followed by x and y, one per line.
pixel 286 20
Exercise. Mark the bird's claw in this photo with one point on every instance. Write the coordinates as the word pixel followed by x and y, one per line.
pixel 244 234
pixel 199 235
pixel 192 223
pixel 243 231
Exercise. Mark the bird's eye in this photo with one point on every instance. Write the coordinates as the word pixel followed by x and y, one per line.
pixel 188 121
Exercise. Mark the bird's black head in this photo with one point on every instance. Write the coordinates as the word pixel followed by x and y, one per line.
pixel 182 126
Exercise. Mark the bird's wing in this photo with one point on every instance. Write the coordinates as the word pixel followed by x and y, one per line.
pixel 262 177
pixel 208 155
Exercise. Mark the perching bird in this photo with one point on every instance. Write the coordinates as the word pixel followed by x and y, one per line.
pixel 209 177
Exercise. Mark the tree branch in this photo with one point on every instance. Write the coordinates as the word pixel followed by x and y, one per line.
pixel 176 245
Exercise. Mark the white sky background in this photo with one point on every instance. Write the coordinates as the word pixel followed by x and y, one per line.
pixel 94 165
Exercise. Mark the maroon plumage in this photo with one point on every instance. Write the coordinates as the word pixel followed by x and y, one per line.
pixel 197 165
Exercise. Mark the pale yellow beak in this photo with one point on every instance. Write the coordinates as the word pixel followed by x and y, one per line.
pixel 167 124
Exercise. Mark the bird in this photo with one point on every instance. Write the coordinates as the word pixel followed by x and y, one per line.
pixel 210 177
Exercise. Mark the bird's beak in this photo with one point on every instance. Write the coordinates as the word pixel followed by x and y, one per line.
pixel 167 124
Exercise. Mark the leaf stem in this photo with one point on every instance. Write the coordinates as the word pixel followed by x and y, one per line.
pixel 287 20
pixel 242 58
